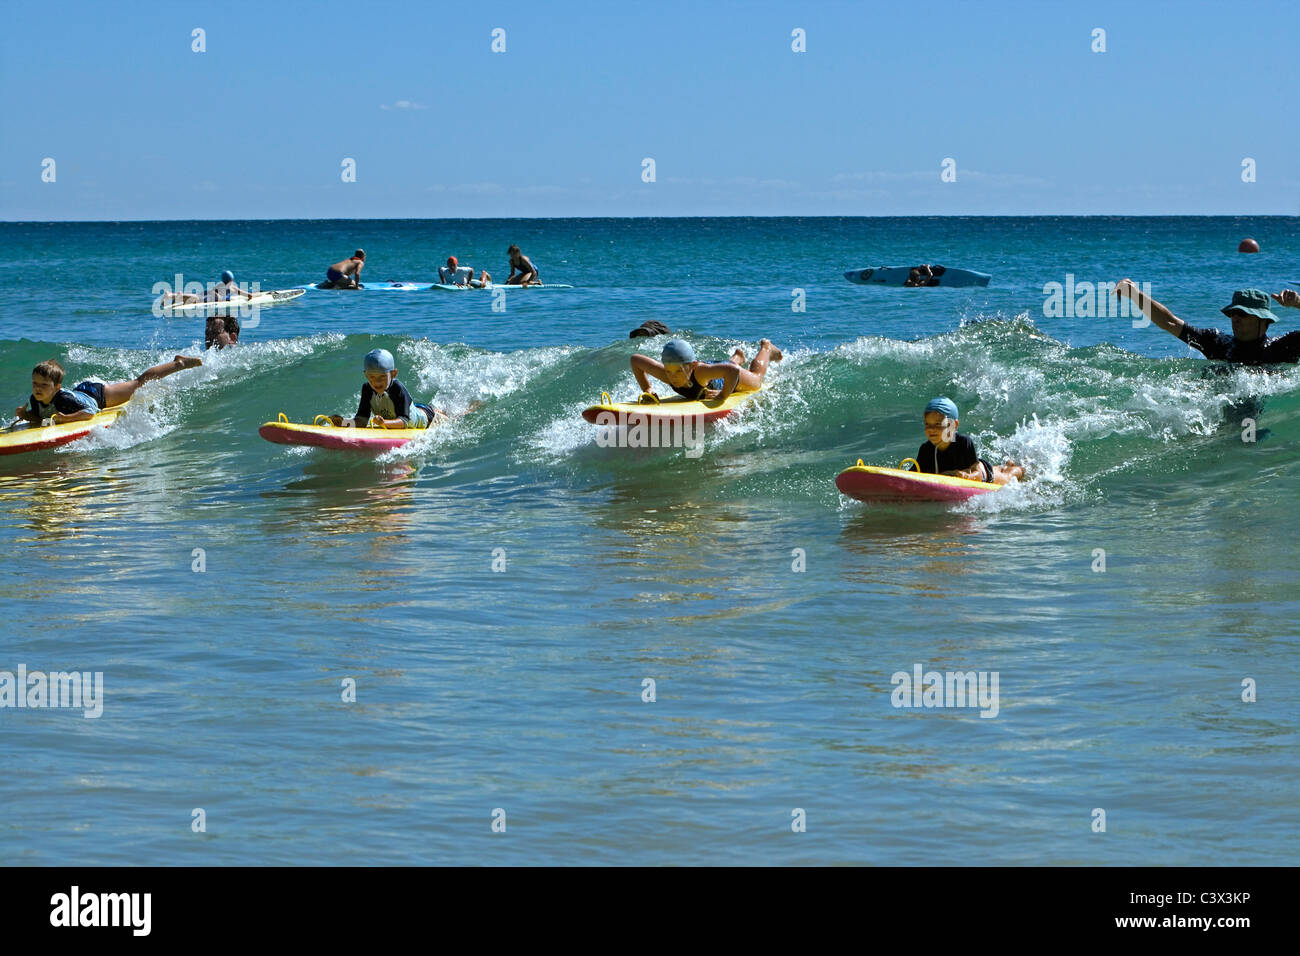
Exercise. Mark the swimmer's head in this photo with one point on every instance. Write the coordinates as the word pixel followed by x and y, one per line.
pixel 940 421
pixel 451 262
pixel 677 352
pixel 359 254
pixel 380 369
pixel 227 276
pixel 47 377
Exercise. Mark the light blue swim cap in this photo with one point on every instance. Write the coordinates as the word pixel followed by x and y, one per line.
pixel 942 404
pixel 380 360
pixel 227 276
pixel 677 352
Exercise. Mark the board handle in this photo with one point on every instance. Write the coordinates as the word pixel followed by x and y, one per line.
pixel 605 399
pixel 860 464
pixel 648 398
pixel 913 461
pixel 329 419
pixel 282 417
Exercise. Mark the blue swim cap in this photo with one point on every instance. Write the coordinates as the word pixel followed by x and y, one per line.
pixel 677 352
pixel 227 276
pixel 942 404
pixel 380 360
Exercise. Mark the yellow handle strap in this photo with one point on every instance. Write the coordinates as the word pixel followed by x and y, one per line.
pixel 913 461
pixel 283 418
pixel 605 399
pixel 860 464
pixel 328 419
pixel 648 398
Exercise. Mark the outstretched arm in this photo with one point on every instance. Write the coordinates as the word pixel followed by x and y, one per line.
pixel 1149 307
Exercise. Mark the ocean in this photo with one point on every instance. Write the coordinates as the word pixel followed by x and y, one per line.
pixel 567 653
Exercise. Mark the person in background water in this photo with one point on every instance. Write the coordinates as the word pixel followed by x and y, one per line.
pixel 946 452
pixel 220 331
pixel 1249 343
pixel 455 274
pixel 528 274
pixel 924 275
pixel 649 329
pixel 347 273
pixel 223 291
pixel 50 400
pixel 696 381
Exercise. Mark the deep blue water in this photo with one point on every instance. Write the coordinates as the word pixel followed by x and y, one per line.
pixel 521 689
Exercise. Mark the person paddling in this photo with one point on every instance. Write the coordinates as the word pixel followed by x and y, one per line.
pixel 697 381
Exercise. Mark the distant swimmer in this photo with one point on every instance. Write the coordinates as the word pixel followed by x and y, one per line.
pixel 346 274
pixel 528 274
pixel 51 401
pixel 693 380
pixel 453 273
pixel 224 291
pixel 649 329
pixel 946 452
pixel 1248 344
pixel 924 275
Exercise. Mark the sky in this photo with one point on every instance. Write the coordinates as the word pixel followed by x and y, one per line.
pixel 262 122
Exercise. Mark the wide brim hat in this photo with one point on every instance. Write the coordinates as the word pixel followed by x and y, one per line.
pixel 1252 302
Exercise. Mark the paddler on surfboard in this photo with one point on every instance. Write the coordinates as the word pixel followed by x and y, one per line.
pixel 694 380
pixel 385 402
pixel 346 273
pixel 224 291
pixel 521 264
pixel 946 452
pixel 50 401
pixel 453 273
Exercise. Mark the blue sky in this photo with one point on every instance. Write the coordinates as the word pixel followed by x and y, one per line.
pixel 142 127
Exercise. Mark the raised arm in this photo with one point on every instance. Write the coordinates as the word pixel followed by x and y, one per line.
pixel 1149 307
pixel 1288 297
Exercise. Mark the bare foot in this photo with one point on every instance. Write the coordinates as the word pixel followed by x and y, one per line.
pixel 774 353
pixel 738 357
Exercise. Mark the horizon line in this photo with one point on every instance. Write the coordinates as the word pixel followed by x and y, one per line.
pixel 1103 215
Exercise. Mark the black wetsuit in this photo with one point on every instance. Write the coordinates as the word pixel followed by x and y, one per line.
pixel 396 391
pixel 693 391
pixel 1220 346
pixel 960 455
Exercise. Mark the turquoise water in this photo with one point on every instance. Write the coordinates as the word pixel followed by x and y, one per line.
pixel 521 688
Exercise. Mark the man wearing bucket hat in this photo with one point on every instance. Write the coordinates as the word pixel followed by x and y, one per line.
pixel 1249 343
